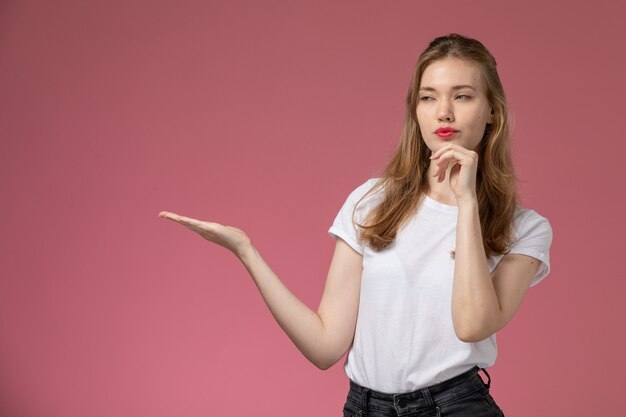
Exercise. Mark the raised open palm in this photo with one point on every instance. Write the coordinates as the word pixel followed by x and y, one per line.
pixel 231 238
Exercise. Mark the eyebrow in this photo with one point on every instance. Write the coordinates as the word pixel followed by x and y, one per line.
pixel 456 87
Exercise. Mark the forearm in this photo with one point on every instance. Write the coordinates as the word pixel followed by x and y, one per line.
pixel 475 308
pixel 301 324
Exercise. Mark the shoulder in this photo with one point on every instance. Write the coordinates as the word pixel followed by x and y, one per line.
pixel 527 220
pixel 532 236
pixel 363 199
pixel 360 201
pixel 367 194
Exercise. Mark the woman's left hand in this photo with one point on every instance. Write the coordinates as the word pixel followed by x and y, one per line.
pixel 463 172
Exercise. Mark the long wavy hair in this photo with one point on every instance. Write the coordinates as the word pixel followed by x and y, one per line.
pixel 405 183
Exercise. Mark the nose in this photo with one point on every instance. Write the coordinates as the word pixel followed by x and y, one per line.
pixel 444 112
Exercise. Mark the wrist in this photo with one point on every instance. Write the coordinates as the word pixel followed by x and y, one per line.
pixel 246 252
pixel 467 201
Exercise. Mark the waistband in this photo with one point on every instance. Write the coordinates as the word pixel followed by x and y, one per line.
pixel 428 397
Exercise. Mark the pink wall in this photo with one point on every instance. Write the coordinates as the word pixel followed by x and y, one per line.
pixel 266 115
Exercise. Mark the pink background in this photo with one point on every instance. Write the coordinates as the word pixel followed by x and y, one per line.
pixel 266 115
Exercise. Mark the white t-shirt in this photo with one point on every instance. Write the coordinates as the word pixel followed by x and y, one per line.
pixel 404 337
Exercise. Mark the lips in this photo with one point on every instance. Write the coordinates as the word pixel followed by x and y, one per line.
pixel 445 132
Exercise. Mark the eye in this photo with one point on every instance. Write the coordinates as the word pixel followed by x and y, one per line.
pixel 463 97
pixel 426 98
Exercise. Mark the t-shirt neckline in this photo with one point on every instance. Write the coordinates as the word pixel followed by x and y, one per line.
pixel 439 206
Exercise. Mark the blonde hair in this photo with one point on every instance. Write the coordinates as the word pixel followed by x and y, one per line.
pixel 405 183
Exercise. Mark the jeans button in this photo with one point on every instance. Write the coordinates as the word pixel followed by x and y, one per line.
pixel 402 402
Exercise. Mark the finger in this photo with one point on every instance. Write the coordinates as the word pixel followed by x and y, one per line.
pixel 455 170
pixel 461 157
pixel 181 219
pixel 440 151
pixel 203 228
pixel 170 216
pixel 440 171
pixel 195 229
pixel 450 146
pixel 449 156
pixel 443 163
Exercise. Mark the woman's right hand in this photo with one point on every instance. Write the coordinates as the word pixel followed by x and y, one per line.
pixel 233 239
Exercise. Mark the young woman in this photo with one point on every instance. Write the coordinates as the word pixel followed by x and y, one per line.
pixel 431 260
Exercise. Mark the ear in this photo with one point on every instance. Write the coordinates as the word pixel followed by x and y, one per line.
pixel 490 118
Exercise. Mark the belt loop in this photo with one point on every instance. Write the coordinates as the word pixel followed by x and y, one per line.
pixel 488 384
pixel 364 394
pixel 425 392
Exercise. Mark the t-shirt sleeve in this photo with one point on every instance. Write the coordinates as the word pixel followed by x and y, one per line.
pixel 534 237
pixel 344 225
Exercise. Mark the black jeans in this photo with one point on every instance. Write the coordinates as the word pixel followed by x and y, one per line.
pixel 465 395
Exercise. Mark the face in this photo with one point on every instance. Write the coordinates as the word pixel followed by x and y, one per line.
pixel 452 95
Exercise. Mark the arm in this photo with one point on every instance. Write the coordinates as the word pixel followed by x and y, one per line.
pixel 323 336
pixel 483 303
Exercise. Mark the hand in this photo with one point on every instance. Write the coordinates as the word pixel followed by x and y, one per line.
pixel 463 172
pixel 233 239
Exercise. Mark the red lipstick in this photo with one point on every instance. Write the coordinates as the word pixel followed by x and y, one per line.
pixel 445 132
